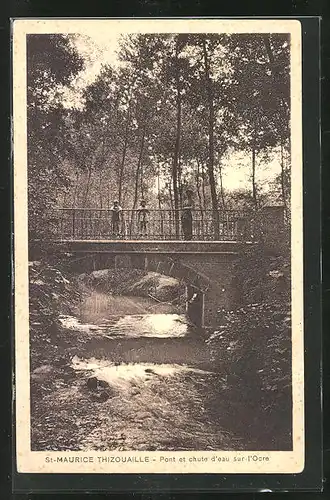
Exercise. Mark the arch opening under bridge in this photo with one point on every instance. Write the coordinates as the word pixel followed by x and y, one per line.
pixel 208 278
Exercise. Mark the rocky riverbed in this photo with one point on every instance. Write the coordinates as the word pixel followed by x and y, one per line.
pixel 111 371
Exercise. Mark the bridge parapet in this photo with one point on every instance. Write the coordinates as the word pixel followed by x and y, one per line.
pixel 167 225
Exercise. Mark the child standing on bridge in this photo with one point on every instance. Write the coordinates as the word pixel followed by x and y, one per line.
pixel 143 213
pixel 116 216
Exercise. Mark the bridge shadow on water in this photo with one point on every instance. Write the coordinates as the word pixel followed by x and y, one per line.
pixel 131 329
pixel 188 350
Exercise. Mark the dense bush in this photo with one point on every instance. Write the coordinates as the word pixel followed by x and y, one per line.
pixel 51 294
pixel 251 347
pixel 263 277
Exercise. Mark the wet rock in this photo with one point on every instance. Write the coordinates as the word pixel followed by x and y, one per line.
pixel 163 288
pixel 149 370
pixel 100 389
pixel 102 273
pixel 92 383
pixel 43 369
pixel 41 373
pixel 101 396
pixel 103 383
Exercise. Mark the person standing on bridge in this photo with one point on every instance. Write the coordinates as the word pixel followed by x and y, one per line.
pixel 186 221
pixel 116 217
pixel 143 213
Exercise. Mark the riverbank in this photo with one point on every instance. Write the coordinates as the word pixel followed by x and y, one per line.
pixel 158 383
pixel 152 375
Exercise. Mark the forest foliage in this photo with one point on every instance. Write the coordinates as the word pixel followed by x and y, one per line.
pixel 252 345
pixel 168 117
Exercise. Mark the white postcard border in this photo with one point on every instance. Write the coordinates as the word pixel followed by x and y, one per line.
pixel 151 462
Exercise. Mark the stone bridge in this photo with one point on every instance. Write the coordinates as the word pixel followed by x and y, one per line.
pixel 206 267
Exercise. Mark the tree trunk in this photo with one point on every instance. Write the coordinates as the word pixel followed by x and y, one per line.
pixel 122 165
pixel 75 198
pixel 203 187
pixel 100 189
pixel 222 194
pixel 175 163
pixel 138 169
pixel 88 186
pixel 281 104
pixel 198 185
pixel 170 195
pixel 158 188
pixel 254 187
pixel 161 214
pixel 211 122
pixel 283 180
pixel 142 181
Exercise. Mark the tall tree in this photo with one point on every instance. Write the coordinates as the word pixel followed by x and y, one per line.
pixel 52 62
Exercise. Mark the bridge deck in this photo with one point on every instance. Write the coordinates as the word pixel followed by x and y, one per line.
pixel 150 246
pixel 160 242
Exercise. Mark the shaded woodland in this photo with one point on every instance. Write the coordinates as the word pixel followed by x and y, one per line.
pixel 168 117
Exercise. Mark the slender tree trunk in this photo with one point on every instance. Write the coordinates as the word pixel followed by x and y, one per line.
pixel 283 180
pixel 176 156
pixel 254 186
pixel 101 189
pixel 211 122
pixel 203 187
pixel 75 202
pixel 222 194
pixel 281 104
pixel 142 181
pixel 180 185
pixel 160 208
pixel 170 195
pixel 88 185
pixel 198 185
pixel 122 165
pixel 138 169
pixel 158 189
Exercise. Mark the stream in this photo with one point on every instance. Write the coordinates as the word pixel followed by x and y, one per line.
pixel 153 381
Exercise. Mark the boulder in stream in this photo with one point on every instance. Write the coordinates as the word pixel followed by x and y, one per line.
pixel 163 288
pixel 100 389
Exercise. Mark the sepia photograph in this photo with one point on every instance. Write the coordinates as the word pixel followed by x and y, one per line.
pixel 158 305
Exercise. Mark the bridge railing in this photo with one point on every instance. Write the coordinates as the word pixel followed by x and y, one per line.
pixel 101 224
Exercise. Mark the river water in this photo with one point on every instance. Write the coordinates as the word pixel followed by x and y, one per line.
pixel 132 316
pixel 154 370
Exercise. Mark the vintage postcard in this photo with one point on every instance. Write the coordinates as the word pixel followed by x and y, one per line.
pixel 158 246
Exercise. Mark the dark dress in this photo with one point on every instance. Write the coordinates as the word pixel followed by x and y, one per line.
pixel 116 210
pixel 186 222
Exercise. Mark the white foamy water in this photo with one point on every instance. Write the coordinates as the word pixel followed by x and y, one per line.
pixel 150 325
pixel 72 323
pixel 132 326
pixel 128 374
